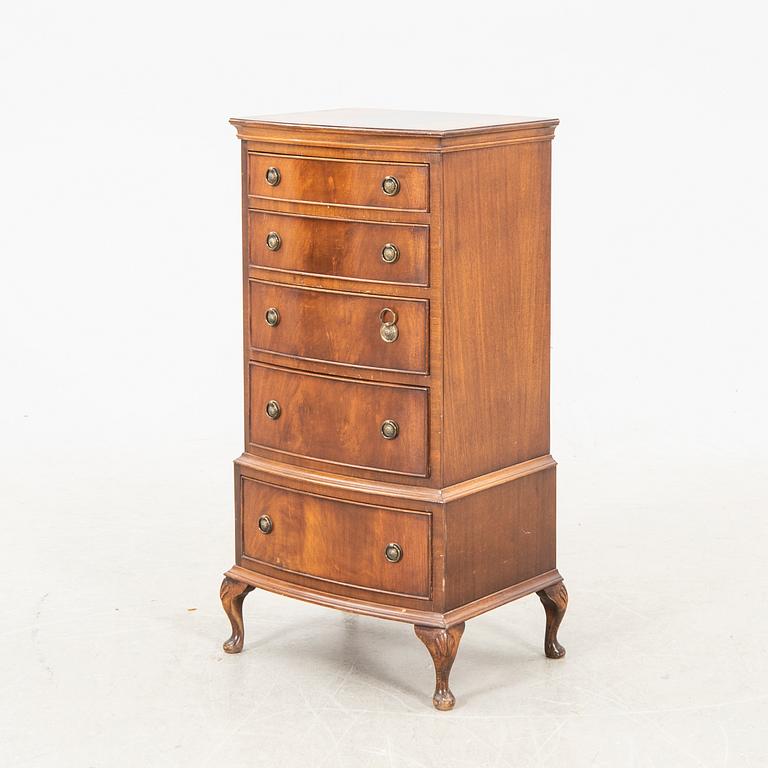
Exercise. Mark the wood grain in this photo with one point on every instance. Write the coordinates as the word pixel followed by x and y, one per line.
pixel 380 605
pixel 339 182
pixel 335 483
pixel 339 542
pixel 339 327
pixel 341 248
pixel 392 130
pixel 501 536
pixel 339 420
pixel 496 332
pixel 398 121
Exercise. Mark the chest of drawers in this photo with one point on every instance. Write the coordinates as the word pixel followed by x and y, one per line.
pixel 396 287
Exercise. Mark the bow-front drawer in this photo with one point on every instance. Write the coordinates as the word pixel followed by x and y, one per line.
pixel 331 326
pixel 353 424
pixel 360 545
pixel 357 250
pixel 356 183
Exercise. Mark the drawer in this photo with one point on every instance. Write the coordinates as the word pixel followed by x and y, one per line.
pixel 337 327
pixel 356 183
pixel 340 421
pixel 356 250
pixel 338 541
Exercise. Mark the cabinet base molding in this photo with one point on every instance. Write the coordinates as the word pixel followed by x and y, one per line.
pixel 335 483
pixel 392 612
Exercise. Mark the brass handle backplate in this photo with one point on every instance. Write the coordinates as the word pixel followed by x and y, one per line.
pixel 388 330
pixel 272 316
pixel 390 429
pixel 265 524
pixel 273 409
pixel 390 185
pixel 390 253
pixel 393 552
pixel 273 176
pixel 274 241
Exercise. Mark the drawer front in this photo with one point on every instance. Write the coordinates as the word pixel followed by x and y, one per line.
pixel 354 183
pixel 336 541
pixel 358 250
pixel 338 420
pixel 339 327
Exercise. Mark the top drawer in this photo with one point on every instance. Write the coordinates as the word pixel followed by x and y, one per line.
pixel 352 183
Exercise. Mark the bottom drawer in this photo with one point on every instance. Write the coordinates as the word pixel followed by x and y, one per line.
pixel 376 548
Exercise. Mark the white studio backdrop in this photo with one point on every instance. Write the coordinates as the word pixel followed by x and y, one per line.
pixel 120 299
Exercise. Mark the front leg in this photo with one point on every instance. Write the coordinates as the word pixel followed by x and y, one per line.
pixel 232 595
pixel 555 601
pixel 442 645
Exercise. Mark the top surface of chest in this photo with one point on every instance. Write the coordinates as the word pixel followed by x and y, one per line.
pixel 436 123
pixel 392 129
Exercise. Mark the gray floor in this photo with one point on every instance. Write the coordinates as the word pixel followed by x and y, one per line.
pixel 111 633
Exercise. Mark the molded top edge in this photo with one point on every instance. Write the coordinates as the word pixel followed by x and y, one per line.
pixel 398 121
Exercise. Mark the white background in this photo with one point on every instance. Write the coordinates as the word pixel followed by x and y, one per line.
pixel 120 394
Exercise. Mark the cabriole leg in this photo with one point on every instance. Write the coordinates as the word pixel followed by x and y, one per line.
pixel 232 595
pixel 442 645
pixel 555 601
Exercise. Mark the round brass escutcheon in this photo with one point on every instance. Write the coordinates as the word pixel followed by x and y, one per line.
pixel 393 552
pixel 273 409
pixel 390 253
pixel 389 333
pixel 274 241
pixel 272 316
pixel 390 185
pixel 265 524
pixel 273 176
pixel 390 429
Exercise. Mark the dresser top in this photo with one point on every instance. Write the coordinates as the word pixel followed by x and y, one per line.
pixel 399 121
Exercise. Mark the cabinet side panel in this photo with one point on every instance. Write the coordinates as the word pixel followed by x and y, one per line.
pixel 499 537
pixel 496 291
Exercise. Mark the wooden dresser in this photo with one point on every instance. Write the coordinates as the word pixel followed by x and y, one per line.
pixel 396 285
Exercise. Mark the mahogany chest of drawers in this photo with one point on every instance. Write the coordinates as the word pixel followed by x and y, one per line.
pixel 396 287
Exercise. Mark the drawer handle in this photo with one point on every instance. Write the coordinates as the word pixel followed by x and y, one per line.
pixel 265 524
pixel 273 410
pixel 273 176
pixel 388 320
pixel 274 241
pixel 272 316
pixel 390 185
pixel 393 552
pixel 390 253
pixel 390 429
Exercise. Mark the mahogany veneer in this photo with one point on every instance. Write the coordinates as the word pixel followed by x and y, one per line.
pixel 397 307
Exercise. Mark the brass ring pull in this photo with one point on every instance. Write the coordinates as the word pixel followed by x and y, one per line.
pixel 383 316
pixel 388 320
pixel 274 241
pixel 393 552
pixel 265 524
pixel 273 409
pixel 272 176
